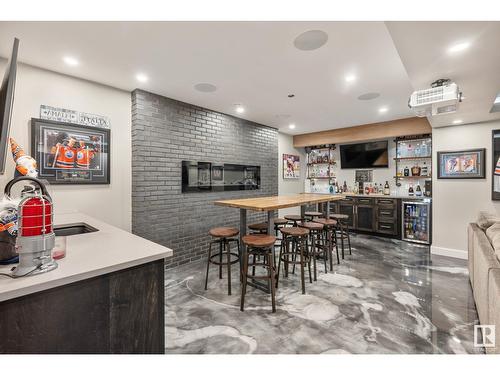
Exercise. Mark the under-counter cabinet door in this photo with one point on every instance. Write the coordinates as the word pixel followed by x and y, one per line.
pixel 347 208
pixel 365 217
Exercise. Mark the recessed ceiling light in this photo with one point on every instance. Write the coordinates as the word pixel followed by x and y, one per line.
pixel 369 96
pixel 71 61
pixel 205 87
pixel 239 108
pixel 310 40
pixel 459 47
pixel 383 109
pixel 457 121
pixel 291 126
pixel 350 78
pixel 141 77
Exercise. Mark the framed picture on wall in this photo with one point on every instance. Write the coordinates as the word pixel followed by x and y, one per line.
pixel 462 164
pixel 291 166
pixel 495 165
pixel 71 154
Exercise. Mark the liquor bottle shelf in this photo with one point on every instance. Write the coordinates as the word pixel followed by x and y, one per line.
pixel 323 163
pixel 414 158
pixel 413 177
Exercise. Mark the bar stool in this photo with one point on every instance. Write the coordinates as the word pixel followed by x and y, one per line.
pixel 223 238
pixel 279 223
pixel 315 234
pixel 329 227
pixel 293 218
pixel 294 245
pixel 342 230
pixel 259 245
pixel 258 227
pixel 311 215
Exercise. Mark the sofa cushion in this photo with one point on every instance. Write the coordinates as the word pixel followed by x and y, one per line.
pixel 471 235
pixel 484 260
pixel 494 306
pixel 486 220
pixel 493 234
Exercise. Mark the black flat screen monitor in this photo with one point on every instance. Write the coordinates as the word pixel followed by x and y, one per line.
pixel 6 103
pixel 364 155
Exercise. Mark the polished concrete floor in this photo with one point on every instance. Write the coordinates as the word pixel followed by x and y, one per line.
pixel 387 297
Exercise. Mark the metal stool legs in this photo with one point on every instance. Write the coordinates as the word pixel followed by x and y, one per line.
pixel 224 249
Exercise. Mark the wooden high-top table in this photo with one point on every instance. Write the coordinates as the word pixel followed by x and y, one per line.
pixel 274 203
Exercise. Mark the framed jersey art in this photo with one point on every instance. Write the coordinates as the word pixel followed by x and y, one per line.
pixel 69 153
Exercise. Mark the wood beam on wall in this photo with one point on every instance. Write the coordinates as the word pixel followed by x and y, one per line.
pixel 366 132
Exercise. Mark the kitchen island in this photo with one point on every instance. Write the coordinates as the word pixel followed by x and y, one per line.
pixel 106 296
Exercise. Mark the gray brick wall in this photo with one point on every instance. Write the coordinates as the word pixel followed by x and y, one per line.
pixel 165 132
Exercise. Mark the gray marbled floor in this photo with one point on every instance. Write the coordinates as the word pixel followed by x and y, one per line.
pixel 387 297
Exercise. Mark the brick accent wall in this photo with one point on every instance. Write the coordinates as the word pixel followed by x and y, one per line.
pixel 165 132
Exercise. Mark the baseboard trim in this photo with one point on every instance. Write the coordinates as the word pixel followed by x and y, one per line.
pixel 454 253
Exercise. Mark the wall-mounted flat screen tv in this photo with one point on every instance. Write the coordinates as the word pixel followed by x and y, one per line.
pixel 365 155
pixel 6 102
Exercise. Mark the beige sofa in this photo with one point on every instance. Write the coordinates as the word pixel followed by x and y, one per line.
pixel 484 270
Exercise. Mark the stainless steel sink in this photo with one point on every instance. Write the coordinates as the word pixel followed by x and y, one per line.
pixel 73 229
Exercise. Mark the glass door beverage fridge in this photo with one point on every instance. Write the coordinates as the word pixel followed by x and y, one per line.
pixel 416 221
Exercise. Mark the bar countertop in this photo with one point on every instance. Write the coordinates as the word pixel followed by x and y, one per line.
pixel 88 255
pixel 277 202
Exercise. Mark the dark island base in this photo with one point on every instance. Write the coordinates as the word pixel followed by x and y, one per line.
pixel 120 312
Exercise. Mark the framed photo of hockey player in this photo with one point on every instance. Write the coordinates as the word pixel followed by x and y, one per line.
pixel 495 180
pixel 69 153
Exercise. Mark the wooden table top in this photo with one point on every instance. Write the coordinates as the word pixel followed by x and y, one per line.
pixel 277 202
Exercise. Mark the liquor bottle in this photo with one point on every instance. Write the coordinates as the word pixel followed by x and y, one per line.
pixel 367 189
pixel 410 191
pixel 387 190
pixel 406 171
pixel 423 149
pixel 424 171
pixel 415 170
pixel 410 151
pixel 417 150
pixel 344 188
pixel 331 189
pixel 418 192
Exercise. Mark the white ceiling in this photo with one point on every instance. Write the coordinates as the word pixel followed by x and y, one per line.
pixel 423 47
pixel 256 64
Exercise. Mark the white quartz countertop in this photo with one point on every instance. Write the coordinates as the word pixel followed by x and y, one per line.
pixel 87 255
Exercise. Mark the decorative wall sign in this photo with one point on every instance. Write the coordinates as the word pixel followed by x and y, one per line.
pixel 462 164
pixel 364 175
pixel 291 166
pixel 74 117
pixel 495 181
pixel 71 153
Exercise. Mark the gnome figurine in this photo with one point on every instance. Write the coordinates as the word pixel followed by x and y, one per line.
pixel 25 164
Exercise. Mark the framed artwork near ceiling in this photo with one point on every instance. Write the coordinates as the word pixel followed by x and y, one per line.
pixel 464 164
pixel 71 154
pixel 495 165
pixel 291 166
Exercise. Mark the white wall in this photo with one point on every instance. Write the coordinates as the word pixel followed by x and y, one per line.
pixel 110 203
pixel 457 202
pixel 285 146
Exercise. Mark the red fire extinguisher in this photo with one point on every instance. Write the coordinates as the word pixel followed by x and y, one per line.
pixel 35 239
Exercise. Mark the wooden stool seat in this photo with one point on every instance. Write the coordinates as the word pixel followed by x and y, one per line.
pixel 313 213
pixel 258 226
pixel 293 217
pixel 280 221
pixel 311 225
pixel 258 240
pixel 295 231
pixel 222 232
pixel 324 221
pixel 339 216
